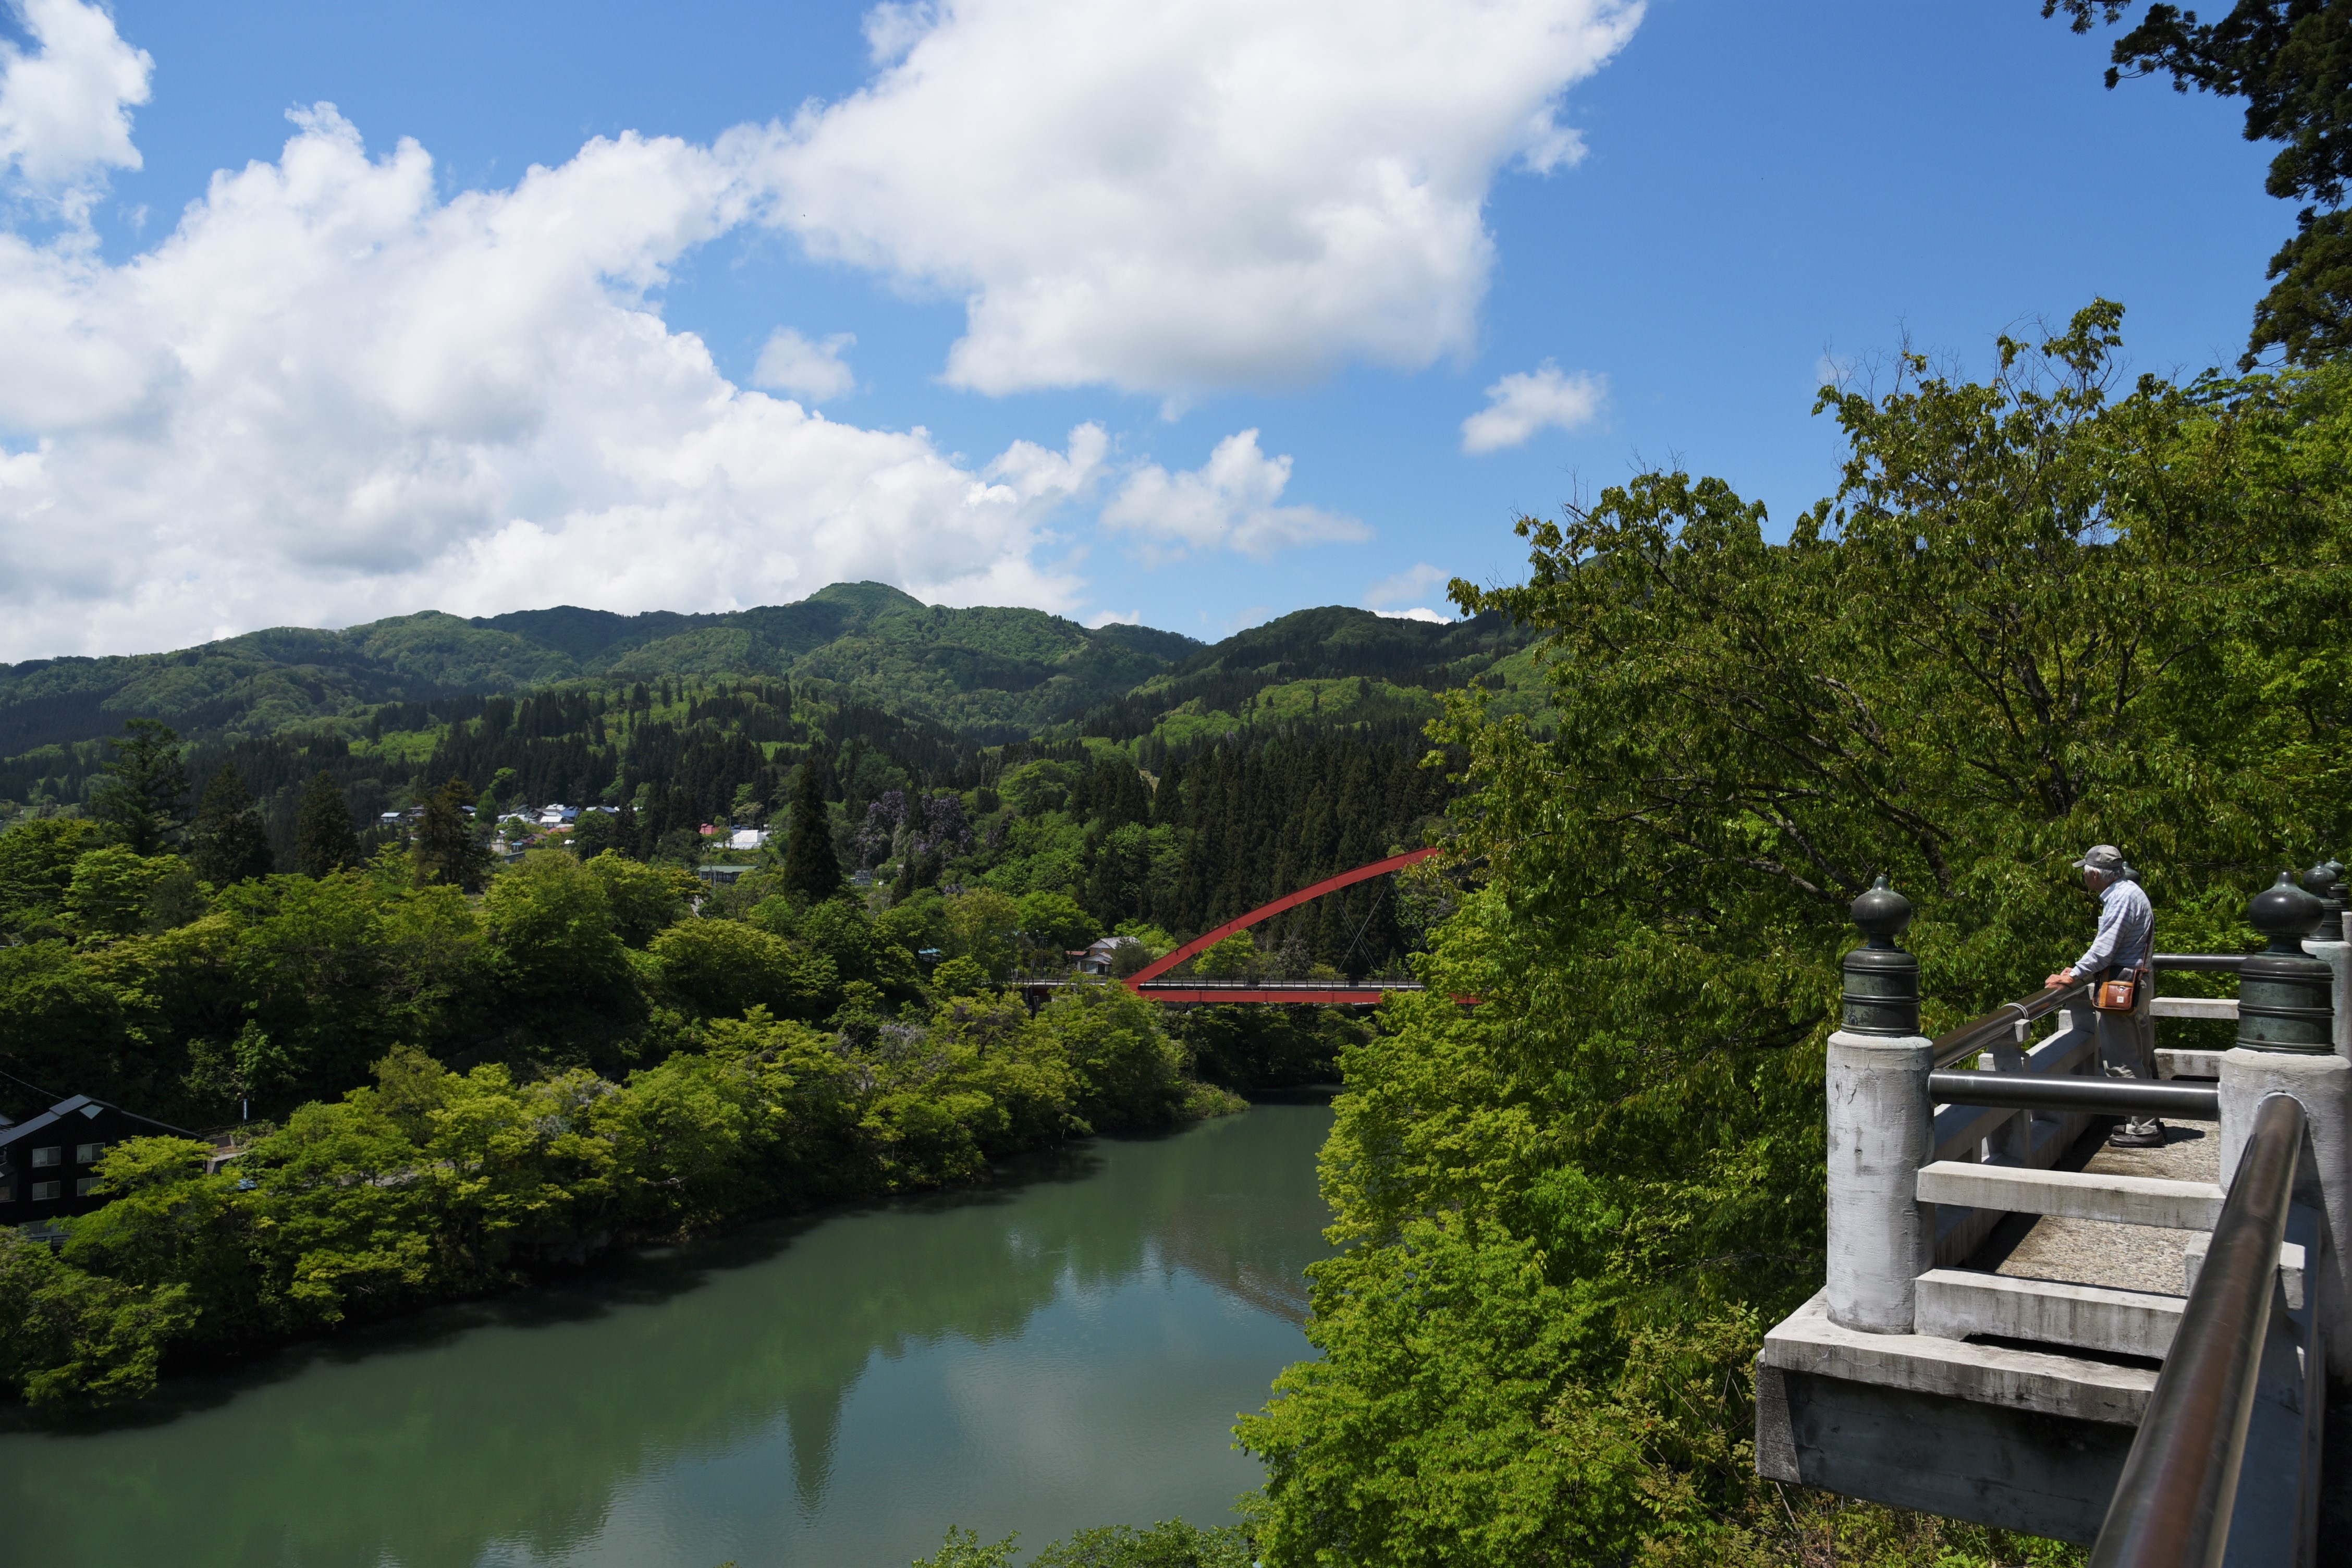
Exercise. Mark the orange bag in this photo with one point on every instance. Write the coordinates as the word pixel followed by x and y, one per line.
pixel 2118 995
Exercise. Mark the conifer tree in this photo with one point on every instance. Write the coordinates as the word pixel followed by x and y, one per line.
pixel 810 865
pixel 448 848
pixel 227 843
pixel 323 839
pixel 144 789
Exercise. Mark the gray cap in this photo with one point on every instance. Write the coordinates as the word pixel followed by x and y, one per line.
pixel 2104 858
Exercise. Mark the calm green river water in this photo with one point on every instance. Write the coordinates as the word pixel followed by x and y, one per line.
pixel 1068 1348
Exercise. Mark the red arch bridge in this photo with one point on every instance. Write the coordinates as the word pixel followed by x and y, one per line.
pixel 1147 983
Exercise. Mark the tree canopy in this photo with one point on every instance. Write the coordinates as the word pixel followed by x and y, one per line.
pixel 2291 60
pixel 2040 612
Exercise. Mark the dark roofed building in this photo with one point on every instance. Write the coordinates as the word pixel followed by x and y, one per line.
pixel 49 1163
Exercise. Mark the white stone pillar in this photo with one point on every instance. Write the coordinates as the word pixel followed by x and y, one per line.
pixel 2323 1085
pixel 2337 957
pixel 1881 1236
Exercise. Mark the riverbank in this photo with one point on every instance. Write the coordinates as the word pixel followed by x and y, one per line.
pixel 432 1186
pixel 1060 1345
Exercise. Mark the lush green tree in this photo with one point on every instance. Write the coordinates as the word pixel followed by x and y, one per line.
pixel 960 976
pixel 449 848
pixel 323 839
pixel 724 968
pixel 142 789
pixel 599 833
pixel 2035 617
pixel 77 1336
pixel 1056 922
pixel 644 900
pixel 36 862
pixel 107 897
pixel 227 843
pixel 2291 60
pixel 810 867
pixel 552 936
pixel 982 925
pixel 1172 1544
pixel 1234 958
pixel 1129 1072
pixel 329 973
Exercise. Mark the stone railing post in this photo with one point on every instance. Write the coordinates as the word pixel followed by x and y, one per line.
pixel 1880 1126
pixel 2326 882
pixel 2286 1045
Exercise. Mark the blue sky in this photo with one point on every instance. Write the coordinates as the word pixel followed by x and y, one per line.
pixel 1064 255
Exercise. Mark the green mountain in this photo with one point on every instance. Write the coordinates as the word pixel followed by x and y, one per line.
pixel 995 674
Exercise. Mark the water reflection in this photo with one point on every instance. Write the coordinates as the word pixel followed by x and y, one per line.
pixel 1065 1351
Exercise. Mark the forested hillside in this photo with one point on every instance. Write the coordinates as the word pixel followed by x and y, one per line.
pixel 994 673
pixel 628 1029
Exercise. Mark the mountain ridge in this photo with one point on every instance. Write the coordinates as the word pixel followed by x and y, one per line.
pixel 988 670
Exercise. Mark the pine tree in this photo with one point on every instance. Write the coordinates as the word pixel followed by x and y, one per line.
pixel 144 788
pixel 227 843
pixel 448 848
pixel 323 839
pixel 810 865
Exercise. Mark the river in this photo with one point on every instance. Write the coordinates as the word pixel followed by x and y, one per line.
pixel 1066 1348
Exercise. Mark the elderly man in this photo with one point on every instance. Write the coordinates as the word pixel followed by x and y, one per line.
pixel 2120 952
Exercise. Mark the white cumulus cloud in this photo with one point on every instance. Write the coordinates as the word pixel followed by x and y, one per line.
pixel 1527 401
pixel 65 107
pixel 790 363
pixel 1412 582
pixel 1228 501
pixel 1174 198
pixel 330 395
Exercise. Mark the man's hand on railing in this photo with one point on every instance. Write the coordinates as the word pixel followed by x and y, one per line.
pixel 2063 977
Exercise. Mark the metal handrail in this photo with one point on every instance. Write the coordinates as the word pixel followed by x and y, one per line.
pixel 2058 1092
pixel 2210 963
pixel 1999 1025
pixel 2171 1506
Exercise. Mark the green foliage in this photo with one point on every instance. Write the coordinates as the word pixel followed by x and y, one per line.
pixel 2287 58
pixel 642 901
pixel 142 789
pixel 983 926
pixel 1234 958
pixel 107 897
pixel 552 936
pixel 1172 1544
pixel 960 976
pixel 2034 618
pixel 79 1337
pixel 228 842
pixel 449 848
pixel 962 1548
pixel 37 864
pixel 1055 922
pixel 722 969
pixel 323 839
pixel 430 1183
pixel 810 867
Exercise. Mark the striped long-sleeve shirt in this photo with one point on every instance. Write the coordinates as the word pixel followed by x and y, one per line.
pixel 2126 927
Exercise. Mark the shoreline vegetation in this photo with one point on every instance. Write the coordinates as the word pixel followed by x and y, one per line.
pixel 432 1186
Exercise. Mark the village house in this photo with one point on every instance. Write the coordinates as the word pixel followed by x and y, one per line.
pixel 49 1163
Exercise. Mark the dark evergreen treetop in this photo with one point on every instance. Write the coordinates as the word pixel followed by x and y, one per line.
pixel 2291 60
pixel 228 842
pixel 810 867
pixel 144 789
pixel 449 846
pixel 323 839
